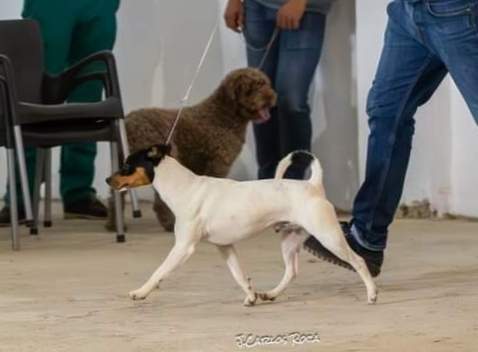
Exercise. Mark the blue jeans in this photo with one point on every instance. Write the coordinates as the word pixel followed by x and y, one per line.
pixel 424 40
pixel 290 65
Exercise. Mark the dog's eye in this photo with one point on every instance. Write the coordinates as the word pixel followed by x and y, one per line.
pixel 126 170
pixel 259 85
pixel 250 91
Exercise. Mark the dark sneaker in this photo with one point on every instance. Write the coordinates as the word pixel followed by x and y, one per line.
pixel 373 259
pixel 89 209
pixel 5 216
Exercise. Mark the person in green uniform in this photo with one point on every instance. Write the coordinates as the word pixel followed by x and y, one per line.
pixel 71 31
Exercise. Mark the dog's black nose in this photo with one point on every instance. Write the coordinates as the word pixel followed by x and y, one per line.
pixel 108 180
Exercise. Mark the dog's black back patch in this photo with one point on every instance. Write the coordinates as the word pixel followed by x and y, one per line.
pixel 300 161
pixel 302 158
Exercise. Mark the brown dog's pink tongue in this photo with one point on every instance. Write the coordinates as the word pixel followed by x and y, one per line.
pixel 264 115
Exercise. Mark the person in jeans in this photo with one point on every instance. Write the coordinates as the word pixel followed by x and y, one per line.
pixel 71 31
pixel 290 64
pixel 424 41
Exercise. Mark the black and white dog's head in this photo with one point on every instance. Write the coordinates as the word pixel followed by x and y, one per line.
pixel 138 169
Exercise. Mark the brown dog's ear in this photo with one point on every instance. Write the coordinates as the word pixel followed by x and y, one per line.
pixel 236 84
pixel 157 152
pixel 230 88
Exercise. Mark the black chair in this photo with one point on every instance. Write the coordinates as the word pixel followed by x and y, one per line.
pixel 7 141
pixel 36 114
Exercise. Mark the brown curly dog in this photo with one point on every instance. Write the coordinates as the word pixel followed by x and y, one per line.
pixel 210 135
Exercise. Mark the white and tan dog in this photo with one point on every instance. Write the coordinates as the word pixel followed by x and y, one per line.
pixel 224 211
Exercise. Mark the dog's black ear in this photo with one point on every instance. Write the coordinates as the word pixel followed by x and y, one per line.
pixel 166 149
pixel 157 152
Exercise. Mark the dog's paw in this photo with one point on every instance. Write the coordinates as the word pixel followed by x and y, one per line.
pixel 250 300
pixel 137 295
pixel 265 296
pixel 372 299
pixel 372 295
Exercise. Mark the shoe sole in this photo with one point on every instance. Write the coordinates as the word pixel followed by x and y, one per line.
pixel 314 247
pixel 75 216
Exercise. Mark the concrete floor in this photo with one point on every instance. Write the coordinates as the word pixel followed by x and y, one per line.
pixel 66 291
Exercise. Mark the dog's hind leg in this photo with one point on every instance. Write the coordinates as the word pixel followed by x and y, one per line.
pixel 230 256
pixel 290 245
pixel 178 256
pixel 324 226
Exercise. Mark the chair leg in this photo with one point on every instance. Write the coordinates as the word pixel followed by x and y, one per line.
pixel 39 172
pixel 13 199
pixel 120 233
pixel 23 174
pixel 47 178
pixel 124 146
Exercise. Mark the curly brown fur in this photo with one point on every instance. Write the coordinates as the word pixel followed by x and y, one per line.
pixel 210 135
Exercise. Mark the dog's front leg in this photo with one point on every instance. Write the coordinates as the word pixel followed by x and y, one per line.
pixel 290 245
pixel 164 215
pixel 230 256
pixel 178 255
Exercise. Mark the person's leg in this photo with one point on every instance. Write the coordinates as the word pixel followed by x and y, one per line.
pixel 299 55
pixel 95 30
pixel 453 31
pixel 407 76
pixel 258 31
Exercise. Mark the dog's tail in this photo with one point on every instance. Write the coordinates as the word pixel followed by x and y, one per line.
pixel 301 157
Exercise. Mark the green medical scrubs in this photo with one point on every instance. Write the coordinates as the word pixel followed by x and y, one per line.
pixel 72 30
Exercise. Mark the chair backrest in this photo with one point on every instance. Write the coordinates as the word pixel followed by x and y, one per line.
pixel 21 42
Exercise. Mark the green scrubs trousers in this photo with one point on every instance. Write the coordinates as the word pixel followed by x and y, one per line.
pixel 71 31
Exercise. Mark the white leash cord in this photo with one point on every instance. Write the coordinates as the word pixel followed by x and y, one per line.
pixel 185 99
pixel 267 48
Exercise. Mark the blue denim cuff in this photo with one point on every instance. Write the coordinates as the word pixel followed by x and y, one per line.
pixel 360 238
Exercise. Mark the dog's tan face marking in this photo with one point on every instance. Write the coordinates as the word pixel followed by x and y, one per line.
pixel 137 179
pixel 138 169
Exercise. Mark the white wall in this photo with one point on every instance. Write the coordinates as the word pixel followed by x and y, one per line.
pixel 443 163
pixel 464 166
pixel 159 44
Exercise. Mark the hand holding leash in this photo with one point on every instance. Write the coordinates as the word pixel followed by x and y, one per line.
pixel 234 15
pixel 290 14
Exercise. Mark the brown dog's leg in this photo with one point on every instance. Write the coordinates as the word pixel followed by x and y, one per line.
pixel 111 221
pixel 164 215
